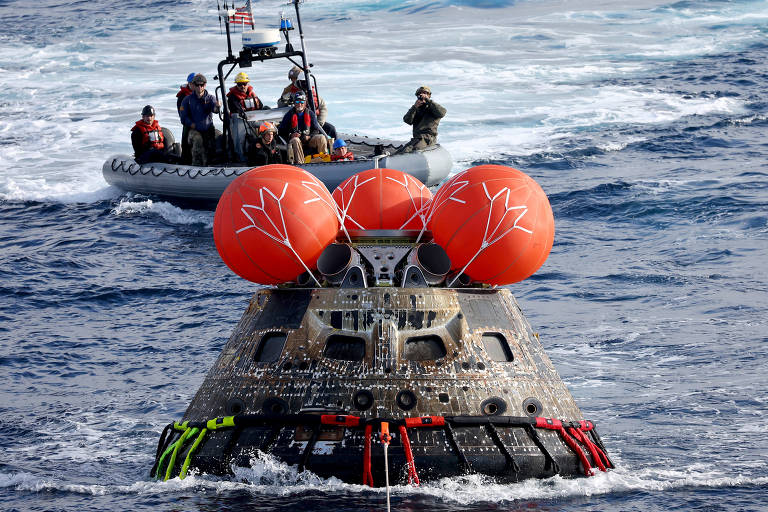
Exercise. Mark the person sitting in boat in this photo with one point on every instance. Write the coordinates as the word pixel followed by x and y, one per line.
pixel 340 151
pixel 424 115
pixel 197 113
pixel 184 91
pixel 321 107
pixel 264 150
pixel 300 129
pixel 149 142
pixel 241 99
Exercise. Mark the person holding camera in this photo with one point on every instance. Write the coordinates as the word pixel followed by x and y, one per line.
pixel 424 116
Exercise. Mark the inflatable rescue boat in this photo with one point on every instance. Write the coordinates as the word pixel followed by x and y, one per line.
pixel 430 165
pixel 383 349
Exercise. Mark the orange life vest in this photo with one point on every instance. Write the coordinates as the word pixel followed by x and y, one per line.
pixel 346 156
pixel 151 134
pixel 184 91
pixel 248 99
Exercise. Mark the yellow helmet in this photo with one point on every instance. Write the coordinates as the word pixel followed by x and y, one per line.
pixel 241 77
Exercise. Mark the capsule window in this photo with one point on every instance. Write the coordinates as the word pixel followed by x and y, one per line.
pixel 270 347
pixel 497 347
pixel 344 348
pixel 424 348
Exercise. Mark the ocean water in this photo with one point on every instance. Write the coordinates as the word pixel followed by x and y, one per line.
pixel 643 121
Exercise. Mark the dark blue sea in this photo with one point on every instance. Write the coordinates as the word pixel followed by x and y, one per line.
pixel 645 122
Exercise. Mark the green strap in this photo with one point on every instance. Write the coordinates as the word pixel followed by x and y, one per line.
pixel 174 448
pixel 192 450
pixel 167 452
pixel 187 433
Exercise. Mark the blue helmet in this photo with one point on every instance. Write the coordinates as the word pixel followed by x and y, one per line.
pixel 190 77
pixel 339 143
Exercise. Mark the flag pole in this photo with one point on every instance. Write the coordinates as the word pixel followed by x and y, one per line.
pixel 229 37
pixel 218 9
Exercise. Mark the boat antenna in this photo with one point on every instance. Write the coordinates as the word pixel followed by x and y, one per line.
pixel 218 9
pixel 285 27
pixel 229 37
pixel 304 60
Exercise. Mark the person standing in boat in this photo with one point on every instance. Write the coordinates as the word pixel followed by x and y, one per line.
pixel 197 113
pixel 340 151
pixel 300 129
pixel 184 91
pixel 149 142
pixel 424 116
pixel 296 85
pixel 264 150
pixel 241 99
pixel 321 107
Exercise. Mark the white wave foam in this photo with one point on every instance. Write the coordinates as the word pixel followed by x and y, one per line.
pixel 270 477
pixel 167 211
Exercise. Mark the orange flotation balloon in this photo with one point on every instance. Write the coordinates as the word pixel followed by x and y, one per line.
pixel 382 199
pixel 495 223
pixel 272 223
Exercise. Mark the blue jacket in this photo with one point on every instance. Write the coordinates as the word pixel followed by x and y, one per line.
pixel 198 111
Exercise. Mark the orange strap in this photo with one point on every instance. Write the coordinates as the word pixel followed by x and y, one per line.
pixel 413 477
pixel 571 442
pixel 594 450
pixel 367 475
pixel 425 421
pixel 342 420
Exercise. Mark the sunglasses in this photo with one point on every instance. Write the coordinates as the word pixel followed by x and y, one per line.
pixel 199 85
pixel 300 102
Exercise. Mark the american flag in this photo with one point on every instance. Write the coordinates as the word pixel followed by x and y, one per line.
pixel 243 15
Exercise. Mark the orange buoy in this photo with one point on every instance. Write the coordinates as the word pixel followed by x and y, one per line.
pixel 272 223
pixel 382 199
pixel 494 222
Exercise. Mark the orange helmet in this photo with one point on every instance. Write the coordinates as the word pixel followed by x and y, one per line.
pixel 266 126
